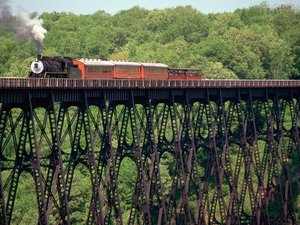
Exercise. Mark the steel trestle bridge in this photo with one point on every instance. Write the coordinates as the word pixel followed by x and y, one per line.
pixel 234 147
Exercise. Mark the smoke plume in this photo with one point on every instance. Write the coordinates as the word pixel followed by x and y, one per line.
pixel 32 29
pixel 25 27
pixel 5 13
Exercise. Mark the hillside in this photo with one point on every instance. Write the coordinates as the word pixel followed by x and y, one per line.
pixel 254 43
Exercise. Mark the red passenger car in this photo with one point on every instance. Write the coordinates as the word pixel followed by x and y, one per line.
pixel 154 71
pixel 127 70
pixel 99 69
pixel 95 69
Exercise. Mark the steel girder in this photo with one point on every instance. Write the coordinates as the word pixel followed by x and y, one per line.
pixel 231 161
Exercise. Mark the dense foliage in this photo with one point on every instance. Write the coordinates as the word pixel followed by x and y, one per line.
pixel 254 43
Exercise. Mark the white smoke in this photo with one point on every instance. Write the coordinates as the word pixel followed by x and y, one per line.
pixel 30 28
pixel 24 26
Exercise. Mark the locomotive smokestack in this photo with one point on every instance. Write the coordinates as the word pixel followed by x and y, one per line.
pixel 38 57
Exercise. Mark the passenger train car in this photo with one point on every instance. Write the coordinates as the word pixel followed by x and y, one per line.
pixel 57 67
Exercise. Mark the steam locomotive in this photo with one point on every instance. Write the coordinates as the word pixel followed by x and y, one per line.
pixel 58 67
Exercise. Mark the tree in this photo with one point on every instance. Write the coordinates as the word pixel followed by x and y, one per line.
pixel 211 70
pixel 190 24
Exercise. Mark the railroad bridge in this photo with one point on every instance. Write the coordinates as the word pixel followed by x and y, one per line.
pixel 233 146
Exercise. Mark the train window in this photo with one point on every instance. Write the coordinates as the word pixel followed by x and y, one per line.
pixel 154 70
pixel 127 69
pixel 106 69
pixel 100 69
pixel 90 69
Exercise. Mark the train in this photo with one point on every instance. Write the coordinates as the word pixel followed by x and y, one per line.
pixel 66 67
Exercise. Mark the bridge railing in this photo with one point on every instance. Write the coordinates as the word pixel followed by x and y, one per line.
pixel 58 83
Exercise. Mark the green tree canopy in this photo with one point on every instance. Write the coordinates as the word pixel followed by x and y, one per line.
pixel 258 42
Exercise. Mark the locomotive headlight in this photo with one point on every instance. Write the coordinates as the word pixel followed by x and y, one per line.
pixel 37 67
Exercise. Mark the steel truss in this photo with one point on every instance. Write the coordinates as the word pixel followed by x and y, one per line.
pixel 234 160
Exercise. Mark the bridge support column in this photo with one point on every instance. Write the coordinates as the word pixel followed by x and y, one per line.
pixel 141 185
pixel 36 166
pixel 3 120
pixel 154 180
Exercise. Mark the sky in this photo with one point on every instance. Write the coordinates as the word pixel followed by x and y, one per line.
pixel 114 6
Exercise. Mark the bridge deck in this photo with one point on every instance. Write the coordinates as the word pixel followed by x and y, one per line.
pixel 25 83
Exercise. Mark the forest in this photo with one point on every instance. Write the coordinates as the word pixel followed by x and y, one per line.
pixel 259 42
